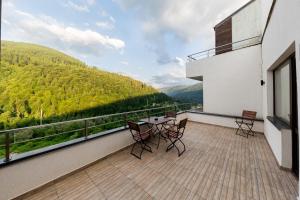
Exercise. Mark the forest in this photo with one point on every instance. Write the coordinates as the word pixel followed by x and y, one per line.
pixel 42 85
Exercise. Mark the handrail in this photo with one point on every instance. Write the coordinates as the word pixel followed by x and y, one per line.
pixel 82 127
pixel 212 51
pixel 89 118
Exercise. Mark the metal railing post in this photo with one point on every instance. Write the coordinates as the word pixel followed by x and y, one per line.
pixel 125 120
pixel 252 41
pixel 85 129
pixel 7 147
pixel 148 114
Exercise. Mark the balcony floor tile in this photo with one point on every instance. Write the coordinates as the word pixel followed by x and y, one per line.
pixel 217 165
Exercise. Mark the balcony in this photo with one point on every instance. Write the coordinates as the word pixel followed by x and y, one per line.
pixel 231 80
pixel 224 58
pixel 217 165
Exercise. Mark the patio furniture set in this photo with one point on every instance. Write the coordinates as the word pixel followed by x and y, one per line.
pixel 166 128
pixel 162 127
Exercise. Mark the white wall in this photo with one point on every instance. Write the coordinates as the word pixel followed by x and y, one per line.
pixel 265 9
pixel 280 142
pixel 231 81
pixel 221 121
pixel 246 24
pixel 27 175
pixel 282 32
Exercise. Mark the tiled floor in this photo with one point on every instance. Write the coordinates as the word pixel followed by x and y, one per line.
pixel 217 165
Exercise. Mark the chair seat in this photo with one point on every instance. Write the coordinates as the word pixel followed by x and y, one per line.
pixel 243 122
pixel 144 134
pixel 173 134
pixel 246 123
pixel 141 137
pixel 145 128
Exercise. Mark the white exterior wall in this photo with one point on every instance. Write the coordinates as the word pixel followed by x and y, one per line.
pixel 283 30
pixel 231 81
pixel 221 121
pixel 265 9
pixel 280 142
pixel 24 176
pixel 246 24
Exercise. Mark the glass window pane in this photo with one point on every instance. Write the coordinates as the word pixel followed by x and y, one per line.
pixel 282 92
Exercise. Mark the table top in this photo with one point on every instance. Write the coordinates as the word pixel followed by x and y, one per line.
pixel 160 120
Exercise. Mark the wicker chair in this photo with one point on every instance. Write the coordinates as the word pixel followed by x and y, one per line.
pixel 174 134
pixel 140 134
pixel 246 123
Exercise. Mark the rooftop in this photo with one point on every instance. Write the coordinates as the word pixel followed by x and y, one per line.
pixel 217 165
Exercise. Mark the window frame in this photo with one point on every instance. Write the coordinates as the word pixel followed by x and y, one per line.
pixel 290 61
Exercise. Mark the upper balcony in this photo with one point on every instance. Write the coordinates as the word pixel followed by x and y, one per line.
pixel 224 57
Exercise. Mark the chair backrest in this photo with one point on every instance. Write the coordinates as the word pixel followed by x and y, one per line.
pixel 249 114
pixel 171 114
pixel 182 124
pixel 133 126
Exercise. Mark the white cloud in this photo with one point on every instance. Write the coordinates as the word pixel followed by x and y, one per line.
pixel 105 25
pixel 181 20
pixel 5 22
pixel 172 74
pixel 168 80
pixel 132 75
pixel 77 7
pixel 112 19
pixel 124 63
pixel 46 30
pixel 180 61
pixel 91 2
pixel 187 18
pixel 104 13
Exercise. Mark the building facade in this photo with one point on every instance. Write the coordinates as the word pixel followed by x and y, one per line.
pixel 256 66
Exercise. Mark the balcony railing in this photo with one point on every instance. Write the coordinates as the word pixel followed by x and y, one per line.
pixel 18 141
pixel 225 48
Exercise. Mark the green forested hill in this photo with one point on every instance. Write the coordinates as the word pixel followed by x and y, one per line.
pixel 192 93
pixel 35 79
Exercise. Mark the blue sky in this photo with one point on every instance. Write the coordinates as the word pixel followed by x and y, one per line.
pixel 145 39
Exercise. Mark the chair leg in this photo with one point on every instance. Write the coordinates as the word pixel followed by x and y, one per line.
pixel 245 134
pixel 183 147
pixel 147 148
pixel 140 156
pixel 158 140
pixel 144 146
pixel 170 146
pixel 173 144
pixel 238 129
pixel 250 127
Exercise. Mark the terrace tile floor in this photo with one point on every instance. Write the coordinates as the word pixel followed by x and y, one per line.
pixel 217 165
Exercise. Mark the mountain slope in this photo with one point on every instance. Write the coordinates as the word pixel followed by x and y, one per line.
pixel 38 81
pixel 193 93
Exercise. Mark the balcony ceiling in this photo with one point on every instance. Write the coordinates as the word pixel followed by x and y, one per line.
pixel 217 165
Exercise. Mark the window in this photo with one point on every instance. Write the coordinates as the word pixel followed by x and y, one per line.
pixel 282 107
